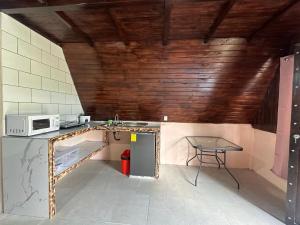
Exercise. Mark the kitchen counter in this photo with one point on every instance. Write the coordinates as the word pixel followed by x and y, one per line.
pixel 29 168
pixel 61 134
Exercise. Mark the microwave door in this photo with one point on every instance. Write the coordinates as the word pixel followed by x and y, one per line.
pixel 40 124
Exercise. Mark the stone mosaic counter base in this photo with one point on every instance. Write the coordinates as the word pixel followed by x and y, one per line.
pixel 29 167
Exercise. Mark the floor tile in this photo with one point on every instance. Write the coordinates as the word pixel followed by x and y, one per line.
pixel 166 210
pixel 98 194
pixel 19 220
pixel 131 208
pixel 89 204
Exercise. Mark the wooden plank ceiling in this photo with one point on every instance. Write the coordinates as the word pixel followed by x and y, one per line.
pixel 193 60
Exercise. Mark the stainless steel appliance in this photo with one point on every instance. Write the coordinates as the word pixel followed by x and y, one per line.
pixel 28 125
pixel 142 154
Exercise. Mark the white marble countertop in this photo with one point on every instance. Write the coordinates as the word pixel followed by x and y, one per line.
pixel 53 134
pixel 91 125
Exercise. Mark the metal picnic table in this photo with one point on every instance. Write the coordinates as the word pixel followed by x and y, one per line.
pixel 212 147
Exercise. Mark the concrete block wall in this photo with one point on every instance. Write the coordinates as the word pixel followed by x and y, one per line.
pixel 35 75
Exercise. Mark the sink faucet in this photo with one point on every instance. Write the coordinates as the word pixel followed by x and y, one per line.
pixel 116 133
pixel 116 119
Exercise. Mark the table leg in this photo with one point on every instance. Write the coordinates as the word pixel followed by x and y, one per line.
pixel 216 154
pixel 199 167
pixel 188 160
pixel 228 171
pixel 201 157
pixel 238 184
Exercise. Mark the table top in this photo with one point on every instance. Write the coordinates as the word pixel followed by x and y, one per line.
pixel 209 143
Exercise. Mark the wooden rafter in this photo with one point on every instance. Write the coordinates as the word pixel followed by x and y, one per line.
pixel 36 28
pixel 70 23
pixel 166 23
pixel 119 27
pixel 219 19
pixel 75 7
pixel 276 15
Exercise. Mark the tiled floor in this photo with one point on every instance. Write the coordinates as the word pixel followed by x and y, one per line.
pixel 97 194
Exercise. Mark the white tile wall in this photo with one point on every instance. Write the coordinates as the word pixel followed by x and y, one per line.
pixel 10 76
pixel 15 61
pixel 40 42
pixel 68 88
pixel 50 108
pixel 15 28
pixel 62 87
pixel 41 96
pixel 25 108
pixel 50 85
pixel 9 42
pixel 10 108
pixel 76 109
pixel 49 59
pixel 40 69
pixel 29 50
pixel 58 75
pixel 72 99
pixel 74 92
pixel 16 94
pixel 57 51
pixel 35 74
pixel 65 109
pixel 58 98
pixel 62 65
pixel 29 80
pixel 65 88
pixel 69 78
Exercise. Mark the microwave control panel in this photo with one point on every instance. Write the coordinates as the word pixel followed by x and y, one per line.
pixel 16 126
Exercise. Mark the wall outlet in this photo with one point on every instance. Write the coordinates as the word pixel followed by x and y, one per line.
pixel 165 118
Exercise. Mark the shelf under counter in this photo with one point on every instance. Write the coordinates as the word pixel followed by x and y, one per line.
pixel 32 160
pixel 29 169
pixel 72 157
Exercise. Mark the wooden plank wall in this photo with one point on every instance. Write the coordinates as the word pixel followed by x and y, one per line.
pixel 221 82
pixel 266 117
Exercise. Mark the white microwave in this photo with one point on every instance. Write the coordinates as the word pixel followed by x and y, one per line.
pixel 28 125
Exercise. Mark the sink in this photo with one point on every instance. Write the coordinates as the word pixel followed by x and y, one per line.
pixel 134 124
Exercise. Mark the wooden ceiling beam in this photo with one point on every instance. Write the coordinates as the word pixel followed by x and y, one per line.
pixel 75 7
pixel 225 9
pixel 43 8
pixel 273 18
pixel 118 26
pixel 36 28
pixel 166 22
pixel 70 23
pixel 109 3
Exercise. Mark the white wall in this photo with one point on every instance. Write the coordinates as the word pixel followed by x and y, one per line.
pixel 174 147
pixel 263 157
pixel 34 76
pixel 258 146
